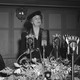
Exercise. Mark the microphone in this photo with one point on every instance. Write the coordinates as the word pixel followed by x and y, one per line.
pixel 44 41
pixel 44 38
pixel 30 40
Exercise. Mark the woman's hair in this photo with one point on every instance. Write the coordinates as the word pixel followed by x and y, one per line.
pixel 27 26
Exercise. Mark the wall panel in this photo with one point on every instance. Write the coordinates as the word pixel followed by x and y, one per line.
pixel 4 19
pixel 55 21
pixel 4 43
pixel 17 37
pixel 71 21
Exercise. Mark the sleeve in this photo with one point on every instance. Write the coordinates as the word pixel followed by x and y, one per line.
pixel 48 38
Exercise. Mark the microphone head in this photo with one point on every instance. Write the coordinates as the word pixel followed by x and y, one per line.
pixel 30 38
pixel 44 42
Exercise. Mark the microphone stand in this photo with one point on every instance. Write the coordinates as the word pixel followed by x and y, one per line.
pixel 72 42
pixel 44 43
pixel 30 52
pixel 73 65
pixel 73 45
pixel 30 42
pixel 57 52
pixel 43 61
pixel 43 52
pixel 56 40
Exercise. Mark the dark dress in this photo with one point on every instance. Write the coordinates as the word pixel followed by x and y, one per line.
pixel 38 49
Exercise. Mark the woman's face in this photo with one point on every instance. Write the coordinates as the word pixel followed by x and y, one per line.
pixel 36 20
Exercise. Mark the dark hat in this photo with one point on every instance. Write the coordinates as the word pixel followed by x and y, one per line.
pixel 33 14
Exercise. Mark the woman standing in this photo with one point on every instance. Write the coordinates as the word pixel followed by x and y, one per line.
pixel 41 36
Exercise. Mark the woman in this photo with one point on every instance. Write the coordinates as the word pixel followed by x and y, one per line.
pixel 41 36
